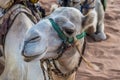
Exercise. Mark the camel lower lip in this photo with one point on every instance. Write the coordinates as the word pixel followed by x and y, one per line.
pixel 30 58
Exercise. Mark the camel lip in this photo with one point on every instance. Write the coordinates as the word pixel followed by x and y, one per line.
pixel 31 58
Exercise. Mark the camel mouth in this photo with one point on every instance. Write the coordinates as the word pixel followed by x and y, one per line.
pixel 34 57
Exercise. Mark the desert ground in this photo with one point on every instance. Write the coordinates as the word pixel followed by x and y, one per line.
pixel 104 54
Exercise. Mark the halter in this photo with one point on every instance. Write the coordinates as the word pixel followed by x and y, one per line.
pixel 63 36
pixel 66 41
pixel 58 71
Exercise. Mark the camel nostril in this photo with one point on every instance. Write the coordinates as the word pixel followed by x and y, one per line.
pixel 69 31
pixel 34 39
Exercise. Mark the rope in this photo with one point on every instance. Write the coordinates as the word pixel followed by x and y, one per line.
pixel 81 54
pixel 58 72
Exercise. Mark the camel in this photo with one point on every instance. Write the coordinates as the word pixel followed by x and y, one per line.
pixel 15 67
pixel 71 25
pixel 26 42
pixel 34 43
pixel 97 7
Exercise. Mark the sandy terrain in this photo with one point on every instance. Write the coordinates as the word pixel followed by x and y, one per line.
pixel 104 54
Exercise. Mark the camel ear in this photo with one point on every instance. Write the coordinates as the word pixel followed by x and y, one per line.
pixel 89 22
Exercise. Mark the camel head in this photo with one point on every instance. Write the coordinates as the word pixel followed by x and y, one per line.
pixel 43 41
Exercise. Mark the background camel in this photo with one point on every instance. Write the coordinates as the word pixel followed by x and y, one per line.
pixel 94 6
pixel 15 66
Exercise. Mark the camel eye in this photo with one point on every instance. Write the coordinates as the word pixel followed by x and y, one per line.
pixel 69 31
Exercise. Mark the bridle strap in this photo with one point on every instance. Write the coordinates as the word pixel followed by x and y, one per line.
pixel 58 30
pixel 58 71
pixel 66 40
pixel 62 35
pixel 83 51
